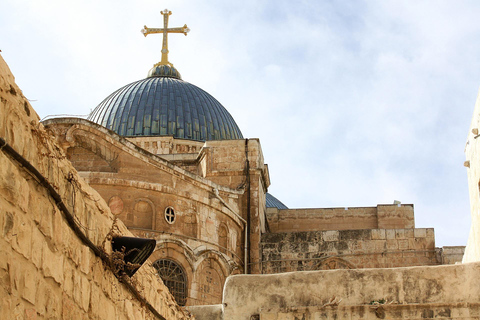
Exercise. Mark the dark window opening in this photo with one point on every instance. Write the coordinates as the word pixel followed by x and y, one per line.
pixel 174 278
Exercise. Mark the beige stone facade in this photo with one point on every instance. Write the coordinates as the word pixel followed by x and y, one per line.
pixel 205 204
pixel 441 292
pixel 334 238
pixel 379 217
pixel 214 192
pixel 47 271
pixel 348 249
pixel 205 190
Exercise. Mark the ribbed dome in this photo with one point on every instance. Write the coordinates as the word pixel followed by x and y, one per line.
pixel 272 202
pixel 165 106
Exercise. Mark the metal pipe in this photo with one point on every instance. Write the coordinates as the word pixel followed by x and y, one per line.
pixel 247 227
pixel 215 191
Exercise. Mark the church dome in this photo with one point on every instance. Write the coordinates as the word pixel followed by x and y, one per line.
pixel 165 105
pixel 272 202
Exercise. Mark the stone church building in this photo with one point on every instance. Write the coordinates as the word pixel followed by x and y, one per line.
pixel 172 165
pixel 162 159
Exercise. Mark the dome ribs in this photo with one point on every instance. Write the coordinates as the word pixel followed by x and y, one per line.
pixel 165 106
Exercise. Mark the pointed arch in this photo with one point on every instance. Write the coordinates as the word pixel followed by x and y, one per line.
pixel 334 263
pixel 223 238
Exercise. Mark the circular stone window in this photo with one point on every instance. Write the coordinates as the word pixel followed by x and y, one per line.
pixel 169 215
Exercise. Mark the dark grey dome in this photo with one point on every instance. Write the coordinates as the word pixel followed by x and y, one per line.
pixel 273 202
pixel 165 106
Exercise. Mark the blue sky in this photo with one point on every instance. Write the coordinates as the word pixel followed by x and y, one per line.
pixel 356 103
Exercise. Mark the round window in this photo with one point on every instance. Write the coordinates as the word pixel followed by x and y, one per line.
pixel 170 215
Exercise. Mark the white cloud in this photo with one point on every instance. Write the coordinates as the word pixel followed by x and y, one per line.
pixel 355 103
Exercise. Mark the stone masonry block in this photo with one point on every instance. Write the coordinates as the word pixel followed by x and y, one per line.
pixel 83 290
pixel 68 284
pixel 421 243
pixel 378 234
pixel 430 233
pixel 5 253
pixel 402 244
pixel 286 316
pixel 369 245
pixel 30 283
pixel 128 307
pixel 57 235
pixel 23 237
pixel 69 309
pixel 330 235
pixel 460 312
pixel 409 233
pixel 52 264
pixel 43 292
pixel 268 316
pixel 392 244
pixel 86 257
pixel 37 246
pixel 390 234
pixel 380 245
pixel 53 305
pixel 30 314
pixel 95 293
pixel 399 233
pixel 420 233
pixel 412 243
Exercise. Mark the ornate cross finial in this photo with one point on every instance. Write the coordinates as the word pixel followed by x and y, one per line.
pixel 165 30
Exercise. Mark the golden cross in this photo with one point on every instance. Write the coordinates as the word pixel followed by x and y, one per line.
pixel 165 30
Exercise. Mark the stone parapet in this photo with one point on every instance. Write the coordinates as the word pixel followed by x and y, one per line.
pixel 211 312
pixel 379 217
pixel 167 145
pixel 439 292
pixel 451 255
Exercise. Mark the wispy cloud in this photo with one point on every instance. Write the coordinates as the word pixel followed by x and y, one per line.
pixel 355 103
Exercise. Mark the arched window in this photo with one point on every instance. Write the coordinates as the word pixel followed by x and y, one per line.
pixel 173 276
pixel 190 222
pixel 143 213
pixel 222 238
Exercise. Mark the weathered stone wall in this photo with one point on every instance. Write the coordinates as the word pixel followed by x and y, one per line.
pixel 139 186
pixel 211 312
pixel 205 236
pixel 347 249
pixel 439 292
pixel 472 154
pixel 167 145
pixel 46 271
pixel 451 254
pixel 379 217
